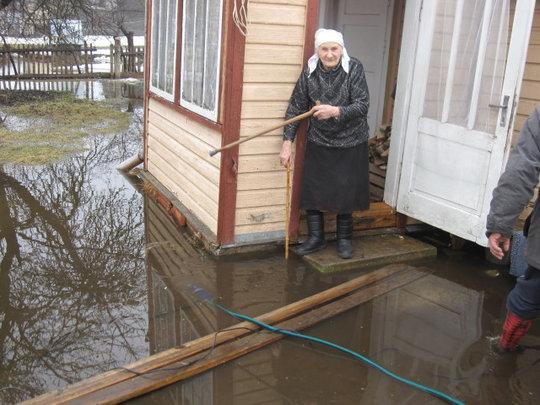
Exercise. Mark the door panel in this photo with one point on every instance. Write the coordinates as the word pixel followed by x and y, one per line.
pixel 456 131
pixel 364 27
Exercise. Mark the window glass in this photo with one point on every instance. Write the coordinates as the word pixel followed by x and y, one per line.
pixel 201 44
pixel 163 47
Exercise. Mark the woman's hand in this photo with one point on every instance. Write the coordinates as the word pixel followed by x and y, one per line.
pixel 285 154
pixel 325 111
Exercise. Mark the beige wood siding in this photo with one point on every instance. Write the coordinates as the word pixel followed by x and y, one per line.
pixel 530 88
pixel 529 97
pixel 273 62
pixel 178 157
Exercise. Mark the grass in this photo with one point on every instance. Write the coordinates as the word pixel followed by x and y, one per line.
pixel 59 123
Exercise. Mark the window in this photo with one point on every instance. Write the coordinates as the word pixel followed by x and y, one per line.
pixel 201 44
pixel 163 47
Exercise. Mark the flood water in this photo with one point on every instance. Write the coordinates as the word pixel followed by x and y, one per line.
pixel 94 276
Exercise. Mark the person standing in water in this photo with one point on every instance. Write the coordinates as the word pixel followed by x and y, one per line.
pixel 336 168
pixel 513 192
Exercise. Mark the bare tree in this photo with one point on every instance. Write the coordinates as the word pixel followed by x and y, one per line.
pixel 56 20
pixel 72 273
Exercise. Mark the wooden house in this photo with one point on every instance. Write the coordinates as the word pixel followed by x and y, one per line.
pixel 459 66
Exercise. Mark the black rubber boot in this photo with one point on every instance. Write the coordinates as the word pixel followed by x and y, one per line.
pixel 344 235
pixel 315 240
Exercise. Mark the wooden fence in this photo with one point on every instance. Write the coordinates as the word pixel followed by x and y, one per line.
pixel 125 61
pixel 66 61
pixel 46 61
pixel 89 89
pixel 46 85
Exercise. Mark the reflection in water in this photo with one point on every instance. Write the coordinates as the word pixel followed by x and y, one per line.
pixel 73 299
pixel 85 89
pixel 433 331
pixel 426 325
pixel 93 277
pixel 176 316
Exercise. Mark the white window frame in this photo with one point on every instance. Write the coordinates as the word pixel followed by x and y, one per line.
pixel 155 90
pixel 212 115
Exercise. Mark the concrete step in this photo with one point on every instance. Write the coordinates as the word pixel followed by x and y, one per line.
pixel 370 251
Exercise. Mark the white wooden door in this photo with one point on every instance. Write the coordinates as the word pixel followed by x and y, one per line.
pixel 365 26
pixel 462 96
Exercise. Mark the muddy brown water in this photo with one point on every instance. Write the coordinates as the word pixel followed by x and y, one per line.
pixel 93 275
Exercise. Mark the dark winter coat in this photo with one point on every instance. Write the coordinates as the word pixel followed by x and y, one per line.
pixel 515 189
pixel 335 87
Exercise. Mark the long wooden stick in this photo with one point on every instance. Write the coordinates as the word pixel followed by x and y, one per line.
pixel 287 210
pixel 178 371
pixel 249 138
pixel 197 346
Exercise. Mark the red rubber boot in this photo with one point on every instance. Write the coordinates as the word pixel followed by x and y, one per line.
pixel 514 329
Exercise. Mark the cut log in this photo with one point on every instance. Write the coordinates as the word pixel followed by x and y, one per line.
pixel 379 146
pixel 202 344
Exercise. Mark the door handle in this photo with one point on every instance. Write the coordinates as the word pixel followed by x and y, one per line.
pixel 504 109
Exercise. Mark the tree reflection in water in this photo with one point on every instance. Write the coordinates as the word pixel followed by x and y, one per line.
pixel 72 278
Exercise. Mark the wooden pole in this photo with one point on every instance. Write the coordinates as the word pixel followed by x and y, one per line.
pixel 18 70
pixel 91 58
pixel 75 52
pixel 142 383
pixel 287 209
pixel 85 57
pixel 249 138
pixel 111 58
pixel 10 56
pixel 202 344
pixel 117 58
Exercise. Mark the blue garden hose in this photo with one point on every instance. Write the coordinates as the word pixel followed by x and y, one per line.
pixel 205 296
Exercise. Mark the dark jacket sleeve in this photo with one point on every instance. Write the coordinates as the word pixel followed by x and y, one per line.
pixel 298 104
pixel 359 96
pixel 517 183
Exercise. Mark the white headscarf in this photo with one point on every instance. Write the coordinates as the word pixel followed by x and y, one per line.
pixel 322 36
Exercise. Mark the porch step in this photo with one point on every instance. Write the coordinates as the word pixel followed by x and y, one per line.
pixel 370 251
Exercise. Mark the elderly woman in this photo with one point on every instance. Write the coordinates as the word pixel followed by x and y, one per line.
pixel 336 173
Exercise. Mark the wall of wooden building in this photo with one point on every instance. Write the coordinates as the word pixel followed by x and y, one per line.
pixel 178 157
pixel 273 62
pixel 530 88
pixel 529 96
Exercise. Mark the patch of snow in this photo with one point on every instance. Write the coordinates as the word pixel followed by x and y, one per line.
pixel 99 41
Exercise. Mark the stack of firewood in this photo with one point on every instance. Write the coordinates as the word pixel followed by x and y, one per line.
pixel 379 146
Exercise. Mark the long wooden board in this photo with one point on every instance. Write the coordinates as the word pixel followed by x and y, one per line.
pixel 190 367
pixel 172 356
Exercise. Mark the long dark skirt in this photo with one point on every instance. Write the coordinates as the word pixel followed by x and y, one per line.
pixel 335 179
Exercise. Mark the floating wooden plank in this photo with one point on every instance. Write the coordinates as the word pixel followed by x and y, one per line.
pixel 189 367
pixel 197 346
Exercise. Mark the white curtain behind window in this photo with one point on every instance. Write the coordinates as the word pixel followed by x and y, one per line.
pixel 163 45
pixel 467 63
pixel 200 61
